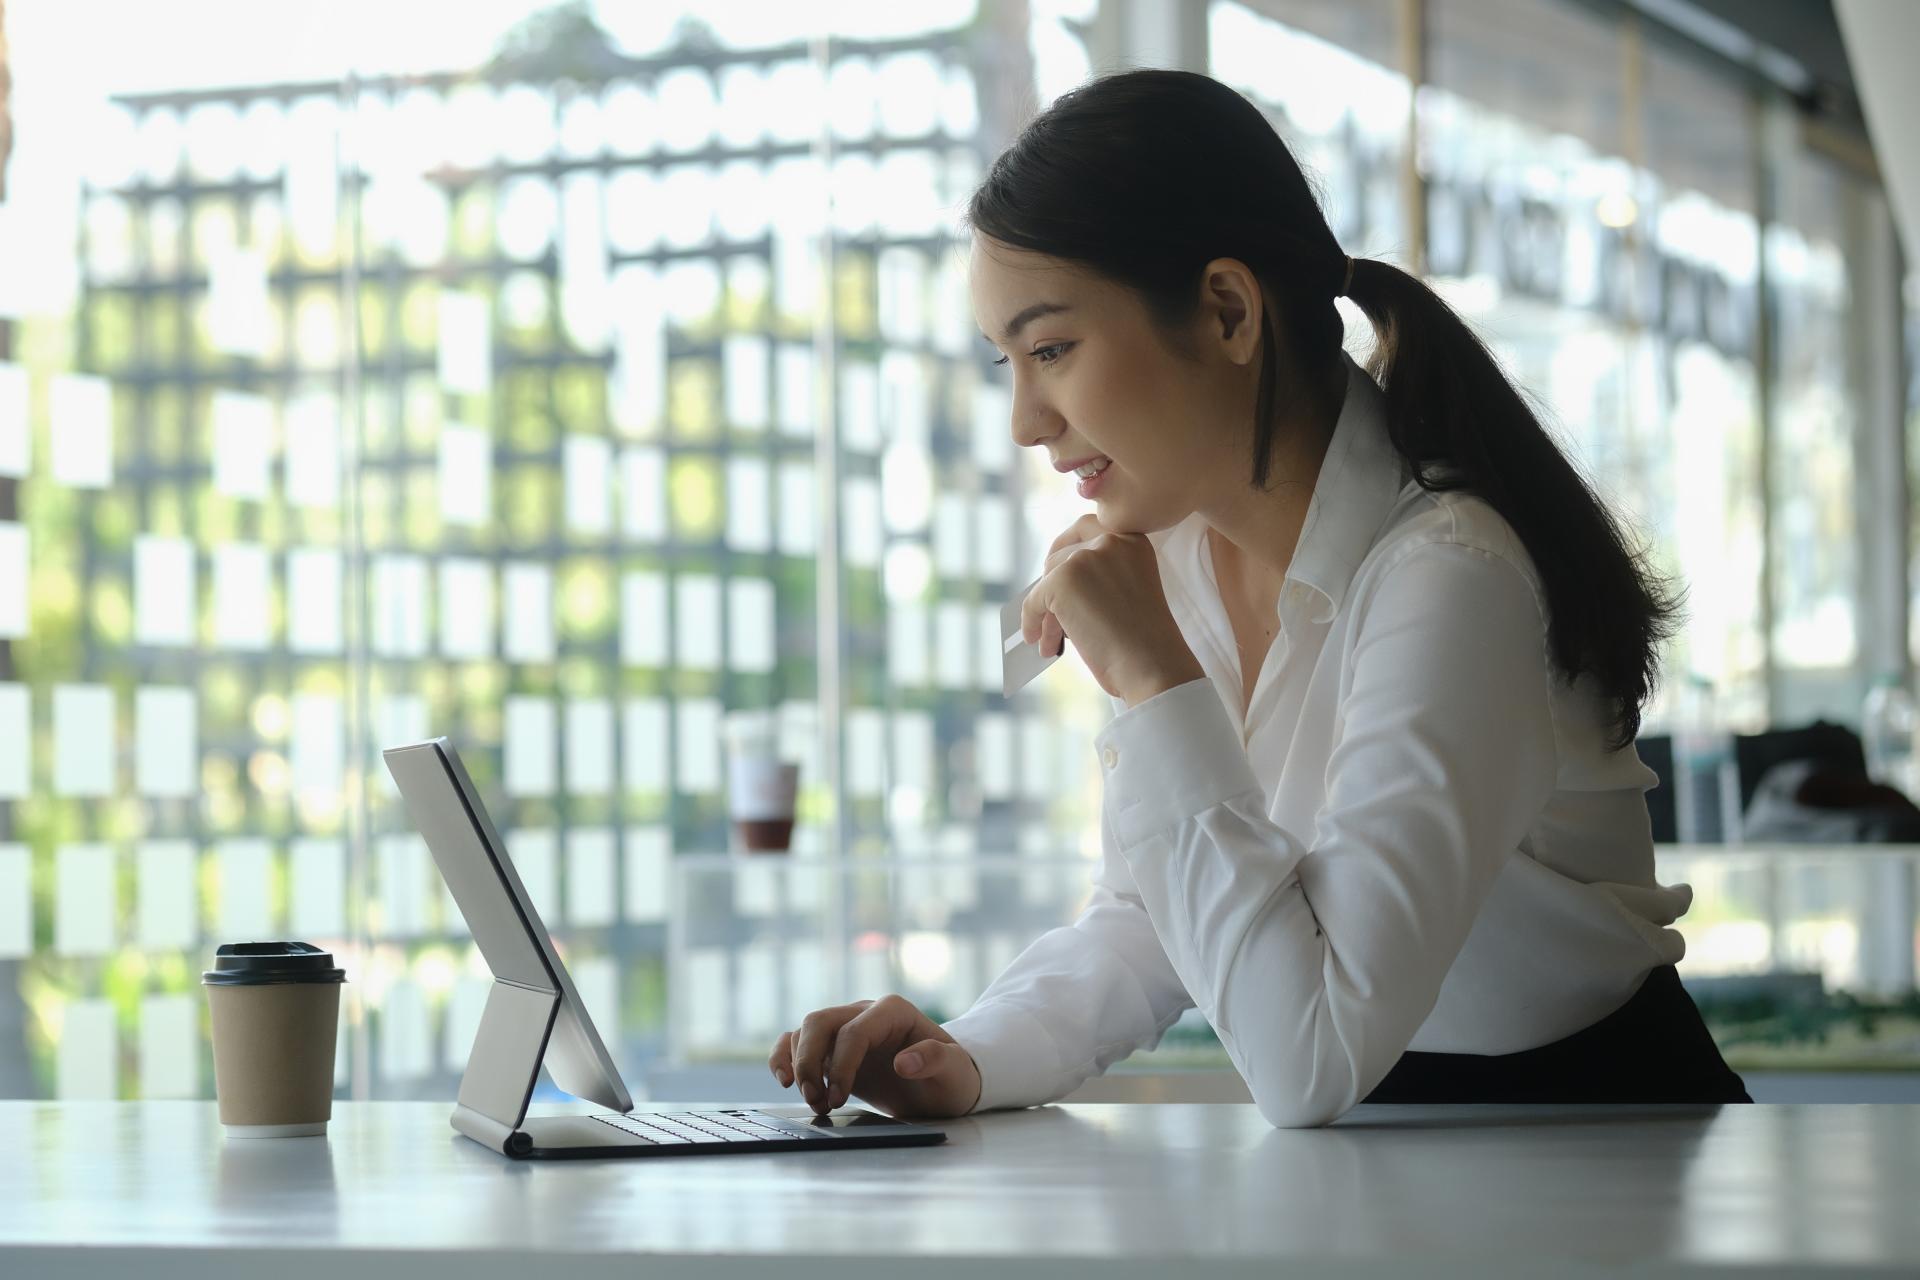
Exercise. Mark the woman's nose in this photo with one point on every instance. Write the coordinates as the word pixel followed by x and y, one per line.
pixel 1033 422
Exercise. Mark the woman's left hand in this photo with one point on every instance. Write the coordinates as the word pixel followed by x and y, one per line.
pixel 1102 590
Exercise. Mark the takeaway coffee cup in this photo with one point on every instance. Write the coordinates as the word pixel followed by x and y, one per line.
pixel 761 788
pixel 276 1011
pixel 761 794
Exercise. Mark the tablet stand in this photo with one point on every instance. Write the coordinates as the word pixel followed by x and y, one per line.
pixel 504 1065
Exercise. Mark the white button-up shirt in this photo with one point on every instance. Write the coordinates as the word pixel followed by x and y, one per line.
pixel 1415 839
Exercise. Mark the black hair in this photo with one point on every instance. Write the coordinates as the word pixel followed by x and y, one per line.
pixel 1146 176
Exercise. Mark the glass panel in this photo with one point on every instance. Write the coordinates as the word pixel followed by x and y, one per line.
pixel 756 952
pixel 1610 258
pixel 635 339
pixel 1910 312
pixel 1822 386
pixel 1327 76
pixel 1701 458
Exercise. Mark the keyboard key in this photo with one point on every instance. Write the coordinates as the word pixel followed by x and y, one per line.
pixel 764 1127
pixel 710 1127
pixel 631 1130
pixel 684 1126
pixel 731 1125
pixel 659 1134
pixel 697 1132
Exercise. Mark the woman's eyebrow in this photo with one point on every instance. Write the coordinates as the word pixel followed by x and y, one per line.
pixel 1026 314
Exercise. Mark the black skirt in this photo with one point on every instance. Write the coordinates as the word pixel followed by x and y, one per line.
pixel 1653 1048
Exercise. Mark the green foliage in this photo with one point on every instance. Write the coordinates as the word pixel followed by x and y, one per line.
pixel 1764 1019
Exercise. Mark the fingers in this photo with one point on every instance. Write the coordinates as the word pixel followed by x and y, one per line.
pixel 1033 611
pixel 1041 629
pixel 1052 637
pixel 879 1021
pixel 888 1050
pixel 1037 625
pixel 1049 633
pixel 1081 530
pixel 942 1077
pixel 813 1047
pixel 780 1061
pixel 925 1059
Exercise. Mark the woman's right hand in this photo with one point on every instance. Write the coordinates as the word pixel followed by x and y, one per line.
pixel 886 1051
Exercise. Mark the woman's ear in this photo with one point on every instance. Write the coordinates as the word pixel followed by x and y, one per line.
pixel 1232 308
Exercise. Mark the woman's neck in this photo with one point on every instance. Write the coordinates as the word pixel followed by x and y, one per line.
pixel 1253 532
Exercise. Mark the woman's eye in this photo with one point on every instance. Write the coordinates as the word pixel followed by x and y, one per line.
pixel 1045 355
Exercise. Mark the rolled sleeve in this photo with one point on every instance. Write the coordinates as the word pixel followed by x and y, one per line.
pixel 1013 1051
pixel 1170 758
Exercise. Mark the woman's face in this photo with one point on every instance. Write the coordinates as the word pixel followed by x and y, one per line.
pixel 1096 382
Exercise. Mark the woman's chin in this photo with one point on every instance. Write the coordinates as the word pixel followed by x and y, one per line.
pixel 1119 517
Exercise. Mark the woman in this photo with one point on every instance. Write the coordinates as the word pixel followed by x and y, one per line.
pixel 1377 653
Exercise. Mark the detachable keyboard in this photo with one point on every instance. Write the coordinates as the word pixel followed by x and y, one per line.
pixel 721 1131
pixel 709 1127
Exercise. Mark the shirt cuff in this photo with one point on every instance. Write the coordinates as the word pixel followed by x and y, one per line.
pixel 1013 1052
pixel 1170 758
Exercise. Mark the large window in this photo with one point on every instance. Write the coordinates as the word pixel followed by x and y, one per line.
pixel 1613 213
pixel 1837 526
pixel 1611 258
pixel 1911 332
pixel 570 381
pixel 1325 77
pixel 562 403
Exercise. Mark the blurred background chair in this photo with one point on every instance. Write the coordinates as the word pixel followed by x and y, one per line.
pixel 1834 748
pixel 1656 752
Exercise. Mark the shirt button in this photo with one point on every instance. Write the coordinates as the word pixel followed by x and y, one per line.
pixel 1110 757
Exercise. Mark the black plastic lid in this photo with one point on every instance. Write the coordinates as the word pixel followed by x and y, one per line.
pixel 251 964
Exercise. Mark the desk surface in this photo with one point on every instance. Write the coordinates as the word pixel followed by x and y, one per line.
pixel 1075 1190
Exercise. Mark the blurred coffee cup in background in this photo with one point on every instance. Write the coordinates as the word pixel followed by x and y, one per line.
pixel 762 789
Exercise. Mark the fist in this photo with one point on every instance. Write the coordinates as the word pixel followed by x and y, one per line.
pixel 1103 590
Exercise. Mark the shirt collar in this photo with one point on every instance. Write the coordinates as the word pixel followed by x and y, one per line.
pixel 1360 479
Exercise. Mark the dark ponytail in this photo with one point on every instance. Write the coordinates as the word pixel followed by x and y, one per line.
pixel 1146 176
pixel 1454 416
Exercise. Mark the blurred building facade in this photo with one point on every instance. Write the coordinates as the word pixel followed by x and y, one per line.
pixel 567 403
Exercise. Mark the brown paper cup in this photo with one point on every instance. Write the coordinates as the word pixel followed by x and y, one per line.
pixel 273 1051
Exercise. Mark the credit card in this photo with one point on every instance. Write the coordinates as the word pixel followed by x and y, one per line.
pixel 1020 662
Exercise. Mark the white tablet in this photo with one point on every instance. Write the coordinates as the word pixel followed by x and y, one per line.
pixel 447 812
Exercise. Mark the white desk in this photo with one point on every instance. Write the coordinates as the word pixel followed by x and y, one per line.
pixel 152 1189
